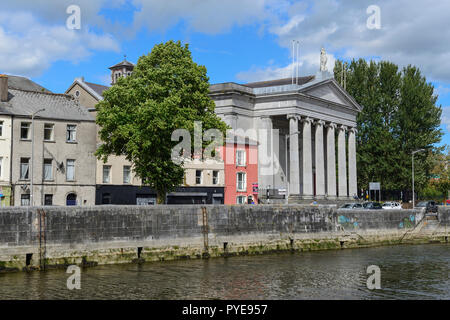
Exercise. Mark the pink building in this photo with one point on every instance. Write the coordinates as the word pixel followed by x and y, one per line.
pixel 241 171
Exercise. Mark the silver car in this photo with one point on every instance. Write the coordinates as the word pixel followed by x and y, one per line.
pixel 351 206
pixel 392 206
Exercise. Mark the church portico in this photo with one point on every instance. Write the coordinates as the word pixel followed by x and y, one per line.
pixel 310 152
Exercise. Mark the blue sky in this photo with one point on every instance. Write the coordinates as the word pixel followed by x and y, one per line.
pixel 237 40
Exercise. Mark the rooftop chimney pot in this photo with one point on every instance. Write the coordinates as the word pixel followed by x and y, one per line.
pixel 3 88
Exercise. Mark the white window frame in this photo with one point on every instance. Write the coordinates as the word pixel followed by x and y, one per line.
pixel 1 128
pixel 22 199
pixel 29 130
pixel 21 177
pixel 108 176
pixel 201 177
pixel 51 170
pixel 52 135
pixel 217 178
pixel 244 189
pixel 67 170
pixel 129 174
pixel 241 197
pixel 243 157
pixel 68 136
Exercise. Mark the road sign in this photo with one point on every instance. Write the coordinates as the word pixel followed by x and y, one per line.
pixel 374 186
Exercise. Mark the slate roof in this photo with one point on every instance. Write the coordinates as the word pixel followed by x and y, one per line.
pixel 279 82
pixel 98 88
pixel 57 106
pixel 123 63
pixel 23 83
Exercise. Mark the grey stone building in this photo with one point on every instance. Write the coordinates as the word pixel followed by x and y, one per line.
pixel 53 151
pixel 306 129
pixel 116 182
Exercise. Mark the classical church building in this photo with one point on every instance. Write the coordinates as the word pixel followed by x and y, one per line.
pixel 306 133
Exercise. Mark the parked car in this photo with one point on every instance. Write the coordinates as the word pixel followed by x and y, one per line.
pixel 392 205
pixel 351 206
pixel 372 205
pixel 428 206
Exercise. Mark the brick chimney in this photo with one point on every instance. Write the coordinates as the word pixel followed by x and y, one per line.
pixel 3 88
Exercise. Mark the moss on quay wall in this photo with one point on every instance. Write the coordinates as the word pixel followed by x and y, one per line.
pixel 177 252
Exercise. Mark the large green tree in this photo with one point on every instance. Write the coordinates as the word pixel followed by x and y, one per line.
pixel 399 116
pixel 167 91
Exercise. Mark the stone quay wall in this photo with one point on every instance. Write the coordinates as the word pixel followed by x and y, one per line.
pixel 51 237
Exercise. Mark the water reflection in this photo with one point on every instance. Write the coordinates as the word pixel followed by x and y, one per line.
pixel 407 272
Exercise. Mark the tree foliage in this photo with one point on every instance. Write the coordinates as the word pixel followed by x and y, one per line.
pixel 399 116
pixel 167 91
pixel 440 180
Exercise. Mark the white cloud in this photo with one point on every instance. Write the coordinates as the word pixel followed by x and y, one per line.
pixel 445 118
pixel 28 51
pixel 442 91
pixel 412 32
pixel 210 17
pixel 309 65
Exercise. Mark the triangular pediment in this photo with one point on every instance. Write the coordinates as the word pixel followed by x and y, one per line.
pixel 330 90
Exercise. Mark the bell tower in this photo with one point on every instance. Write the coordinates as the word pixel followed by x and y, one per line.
pixel 122 69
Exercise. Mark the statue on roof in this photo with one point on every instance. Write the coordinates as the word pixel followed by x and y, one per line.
pixel 323 60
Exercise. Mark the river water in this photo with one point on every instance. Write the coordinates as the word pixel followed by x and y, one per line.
pixel 407 272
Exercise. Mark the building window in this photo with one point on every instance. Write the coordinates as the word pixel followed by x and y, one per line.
pixel 70 170
pixel 198 176
pixel 71 199
pixel 1 128
pixel 106 198
pixel 215 177
pixel 71 133
pixel 240 199
pixel 48 169
pixel 24 168
pixel 48 200
pixel 25 200
pixel 77 93
pixel 48 132
pixel 106 174
pixel 241 179
pixel 25 131
pixel 126 174
pixel 240 158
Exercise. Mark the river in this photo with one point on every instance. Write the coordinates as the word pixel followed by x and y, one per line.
pixel 407 272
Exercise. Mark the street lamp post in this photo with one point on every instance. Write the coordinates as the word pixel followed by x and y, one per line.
pixel 287 136
pixel 412 160
pixel 32 155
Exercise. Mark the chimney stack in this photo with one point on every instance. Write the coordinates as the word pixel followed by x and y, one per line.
pixel 3 88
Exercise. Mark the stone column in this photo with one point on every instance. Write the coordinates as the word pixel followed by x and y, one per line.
pixel 331 161
pixel 231 120
pixel 307 160
pixel 265 153
pixel 352 178
pixel 320 163
pixel 294 162
pixel 342 165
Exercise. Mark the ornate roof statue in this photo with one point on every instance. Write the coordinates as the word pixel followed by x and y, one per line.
pixel 323 60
